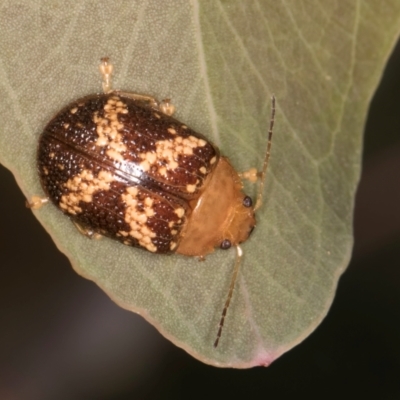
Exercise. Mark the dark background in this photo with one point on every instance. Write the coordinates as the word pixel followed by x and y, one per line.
pixel 62 338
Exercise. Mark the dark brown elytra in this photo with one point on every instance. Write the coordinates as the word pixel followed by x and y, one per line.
pixel 120 160
pixel 119 165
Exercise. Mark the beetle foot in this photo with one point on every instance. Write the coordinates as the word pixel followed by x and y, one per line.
pixel 252 175
pixel 166 107
pixel 36 202
pixel 106 69
pixel 90 233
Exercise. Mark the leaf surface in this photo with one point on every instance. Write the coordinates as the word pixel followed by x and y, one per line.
pixel 220 62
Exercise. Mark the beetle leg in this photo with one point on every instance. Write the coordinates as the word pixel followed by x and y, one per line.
pixel 165 106
pixel 252 175
pixel 151 101
pixel 91 234
pixel 106 70
pixel 36 202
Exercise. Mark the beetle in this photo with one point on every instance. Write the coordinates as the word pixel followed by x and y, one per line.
pixel 119 165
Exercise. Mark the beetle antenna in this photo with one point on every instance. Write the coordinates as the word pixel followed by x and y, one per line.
pixel 106 69
pixel 239 255
pixel 262 173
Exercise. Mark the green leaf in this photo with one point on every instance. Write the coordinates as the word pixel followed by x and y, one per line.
pixel 219 61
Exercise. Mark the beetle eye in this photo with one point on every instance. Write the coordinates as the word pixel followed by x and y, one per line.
pixel 247 202
pixel 226 244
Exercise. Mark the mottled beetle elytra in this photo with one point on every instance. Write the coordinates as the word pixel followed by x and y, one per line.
pixel 119 165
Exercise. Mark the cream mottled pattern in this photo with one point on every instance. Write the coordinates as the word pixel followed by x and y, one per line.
pixel 167 151
pixel 137 217
pixel 108 128
pixel 82 187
